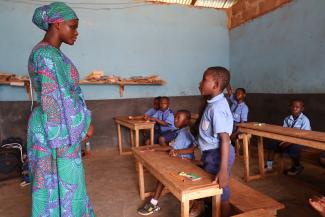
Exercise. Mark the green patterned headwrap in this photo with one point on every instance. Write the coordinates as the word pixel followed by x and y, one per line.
pixel 56 12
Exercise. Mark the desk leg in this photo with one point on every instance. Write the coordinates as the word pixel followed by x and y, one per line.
pixel 261 156
pixel 141 180
pixel 119 138
pixel 136 138
pixel 131 138
pixel 185 208
pixel 152 136
pixel 216 206
pixel 246 157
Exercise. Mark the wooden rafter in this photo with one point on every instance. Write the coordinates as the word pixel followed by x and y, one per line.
pixel 193 2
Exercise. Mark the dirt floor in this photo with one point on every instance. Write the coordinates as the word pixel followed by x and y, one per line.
pixel 113 189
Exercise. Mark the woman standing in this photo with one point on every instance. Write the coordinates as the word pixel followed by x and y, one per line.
pixel 60 120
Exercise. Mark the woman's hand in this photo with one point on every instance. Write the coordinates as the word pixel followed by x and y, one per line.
pixel 89 133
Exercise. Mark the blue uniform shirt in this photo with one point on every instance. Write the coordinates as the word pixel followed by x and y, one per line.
pixel 239 111
pixel 184 140
pixel 151 112
pixel 217 118
pixel 302 122
pixel 167 116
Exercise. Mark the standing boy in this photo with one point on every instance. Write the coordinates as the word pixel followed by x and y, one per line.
pixel 215 129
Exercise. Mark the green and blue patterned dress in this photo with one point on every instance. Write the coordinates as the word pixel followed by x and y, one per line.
pixel 56 128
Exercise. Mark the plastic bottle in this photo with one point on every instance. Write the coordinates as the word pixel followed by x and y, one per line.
pixel 87 150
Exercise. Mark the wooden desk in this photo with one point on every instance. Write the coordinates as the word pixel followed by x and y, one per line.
pixel 166 169
pixel 134 126
pixel 307 138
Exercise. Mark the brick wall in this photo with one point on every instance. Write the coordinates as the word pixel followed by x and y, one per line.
pixel 246 10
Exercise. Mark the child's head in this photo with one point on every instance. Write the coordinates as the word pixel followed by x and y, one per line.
pixel 156 102
pixel 215 80
pixel 296 107
pixel 240 94
pixel 182 118
pixel 164 103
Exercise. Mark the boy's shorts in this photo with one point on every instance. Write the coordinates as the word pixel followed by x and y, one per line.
pixel 211 163
pixel 292 150
pixel 169 135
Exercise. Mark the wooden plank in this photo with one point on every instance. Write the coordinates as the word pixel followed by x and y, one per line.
pixel 246 199
pixel 131 138
pixel 185 208
pixel 216 206
pixel 119 138
pixel 261 156
pixel 285 131
pixel 256 213
pixel 141 180
pixel 137 142
pixel 152 133
pixel 246 156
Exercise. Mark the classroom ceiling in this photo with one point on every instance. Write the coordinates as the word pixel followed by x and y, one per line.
pixel 200 3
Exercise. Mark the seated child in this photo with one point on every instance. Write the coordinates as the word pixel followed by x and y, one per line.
pixel 182 147
pixel 164 118
pixel 150 112
pixel 296 120
pixel 216 126
pixel 155 107
pixel 238 108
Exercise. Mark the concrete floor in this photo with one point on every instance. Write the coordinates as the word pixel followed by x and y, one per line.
pixel 113 189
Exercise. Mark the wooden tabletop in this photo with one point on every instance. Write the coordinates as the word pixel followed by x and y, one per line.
pixel 135 122
pixel 166 170
pixel 286 131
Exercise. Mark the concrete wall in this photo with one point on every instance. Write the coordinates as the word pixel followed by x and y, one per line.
pixel 175 42
pixel 281 52
pixel 14 117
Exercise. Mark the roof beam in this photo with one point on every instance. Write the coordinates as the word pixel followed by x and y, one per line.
pixel 193 2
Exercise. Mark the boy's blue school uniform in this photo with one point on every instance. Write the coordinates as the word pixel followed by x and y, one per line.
pixel 239 110
pixel 169 131
pixel 217 118
pixel 151 112
pixel 167 116
pixel 302 123
pixel 184 140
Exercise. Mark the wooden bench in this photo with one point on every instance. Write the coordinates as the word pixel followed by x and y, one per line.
pixel 246 199
pixel 255 213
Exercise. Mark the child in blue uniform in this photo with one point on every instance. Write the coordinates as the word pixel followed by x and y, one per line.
pixel 215 129
pixel 296 120
pixel 155 107
pixel 182 147
pixel 238 108
pixel 164 118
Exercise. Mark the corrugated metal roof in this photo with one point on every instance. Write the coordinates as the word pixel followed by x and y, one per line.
pixel 200 3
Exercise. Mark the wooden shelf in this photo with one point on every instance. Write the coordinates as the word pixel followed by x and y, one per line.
pixel 122 83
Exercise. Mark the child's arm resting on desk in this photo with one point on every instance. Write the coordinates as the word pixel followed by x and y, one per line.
pixel 161 122
pixel 175 152
pixel 222 176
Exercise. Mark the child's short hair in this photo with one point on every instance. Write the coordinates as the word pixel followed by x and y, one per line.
pixel 157 98
pixel 298 100
pixel 186 112
pixel 164 98
pixel 242 89
pixel 222 74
